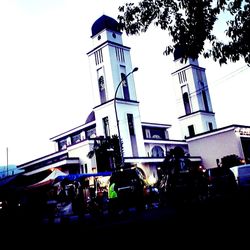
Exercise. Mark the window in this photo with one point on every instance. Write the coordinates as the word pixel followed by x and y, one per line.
pixel 191 130
pixel 105 121
pixel 91 133
pixel 147 132
pixel 186 103
pixel 125 87
pixel 62 144
pixel 157 151
pixel 204 96
pixel 182 76
pixel 119 54
pixel 76 138
pixel 210 126
pixel 102 90
pixel 131 124
pixel 98 56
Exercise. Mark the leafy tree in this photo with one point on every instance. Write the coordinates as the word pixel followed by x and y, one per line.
pixel 230 161
pixel 191 24
pixel 107 153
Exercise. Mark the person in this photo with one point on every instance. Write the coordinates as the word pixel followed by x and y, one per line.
pixel 113 199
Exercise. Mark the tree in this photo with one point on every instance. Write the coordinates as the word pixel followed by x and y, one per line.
pixel 107 153
pixel 191 24
pixel 230 161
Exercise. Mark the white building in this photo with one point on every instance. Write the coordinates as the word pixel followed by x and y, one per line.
pixel 116 112
pixel 197 119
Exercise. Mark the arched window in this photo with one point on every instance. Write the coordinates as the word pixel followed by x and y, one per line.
pixel 204 96
pixel 186 103
pixel 125 87
pixel 157 151
pixel 102 90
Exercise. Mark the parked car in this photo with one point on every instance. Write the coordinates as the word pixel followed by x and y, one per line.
pixel 242 175
pixel 221 183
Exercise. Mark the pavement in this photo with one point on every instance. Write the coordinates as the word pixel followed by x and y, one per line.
pixel 216 223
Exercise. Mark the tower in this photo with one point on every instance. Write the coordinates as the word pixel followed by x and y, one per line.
pixel 194 107
pixel 110 63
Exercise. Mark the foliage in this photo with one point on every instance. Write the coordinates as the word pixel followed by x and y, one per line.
pixel 191 24
pixel 230 161
pixel 107 152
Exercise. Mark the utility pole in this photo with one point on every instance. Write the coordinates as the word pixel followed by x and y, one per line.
pixel 116 115
pixel 7 165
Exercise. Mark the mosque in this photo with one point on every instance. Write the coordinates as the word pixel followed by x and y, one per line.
pixel 116 111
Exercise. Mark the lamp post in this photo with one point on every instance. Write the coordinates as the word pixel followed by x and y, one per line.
pixel 116 116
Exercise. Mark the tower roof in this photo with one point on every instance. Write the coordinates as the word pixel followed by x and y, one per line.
pixel 104 22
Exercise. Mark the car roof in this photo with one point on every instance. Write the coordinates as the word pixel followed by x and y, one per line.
pixel 235 169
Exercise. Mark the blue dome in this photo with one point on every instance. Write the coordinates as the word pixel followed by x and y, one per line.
pixel 104 22
pixel 90 118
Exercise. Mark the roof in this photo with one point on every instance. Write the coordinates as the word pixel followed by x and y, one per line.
pixel 104 22
pixel 90 118
pixel 49 179
pixel 77 177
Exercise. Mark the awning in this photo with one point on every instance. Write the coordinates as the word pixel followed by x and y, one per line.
pixel 49 179
pixel 78 177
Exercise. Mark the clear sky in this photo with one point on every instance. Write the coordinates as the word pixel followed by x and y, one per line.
pixel 45 80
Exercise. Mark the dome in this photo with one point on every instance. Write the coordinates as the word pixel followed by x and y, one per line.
pixel 90 118
pixel 104 22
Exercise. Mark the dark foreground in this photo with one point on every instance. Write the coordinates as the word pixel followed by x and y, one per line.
pixel 211 224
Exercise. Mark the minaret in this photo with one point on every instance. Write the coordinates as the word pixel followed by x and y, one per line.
pixel 110 62
pixel 194 107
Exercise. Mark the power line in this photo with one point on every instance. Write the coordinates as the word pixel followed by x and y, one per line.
pixel 221 80
pixel 230 75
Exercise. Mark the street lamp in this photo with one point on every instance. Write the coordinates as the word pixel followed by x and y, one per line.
pixel 116 116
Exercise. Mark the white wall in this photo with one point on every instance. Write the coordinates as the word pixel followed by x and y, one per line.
pixel 215 146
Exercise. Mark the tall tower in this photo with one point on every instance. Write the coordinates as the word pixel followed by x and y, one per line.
pixel 110 62
pixel 194 107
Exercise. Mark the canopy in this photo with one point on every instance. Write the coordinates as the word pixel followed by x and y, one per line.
pixel 7 180
pixel 49 179
pixel 77 177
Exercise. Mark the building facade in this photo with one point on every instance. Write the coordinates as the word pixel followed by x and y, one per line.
pixel 116 111
pixel 212 146
pixel 197 119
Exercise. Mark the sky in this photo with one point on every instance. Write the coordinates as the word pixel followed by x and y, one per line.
pixel 45 80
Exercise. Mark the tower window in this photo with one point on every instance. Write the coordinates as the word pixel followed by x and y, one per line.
pixel 125 87
pixel 204 96
pixel 102 89
pixel 210 126
pixel 106 126
pixel 98 57
pixel 186 103
pixel 191 130
pixel 182 76
pixel 119 54
pixel 131 124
